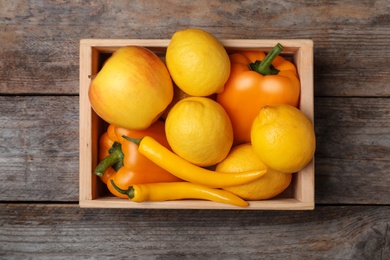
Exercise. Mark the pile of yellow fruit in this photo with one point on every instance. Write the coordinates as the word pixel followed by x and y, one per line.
pixel 135 88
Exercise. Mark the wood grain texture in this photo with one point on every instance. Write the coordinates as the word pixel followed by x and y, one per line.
pixel 68 232
pixel 353 150
pixel 39 119
pixel 41 39
pixel 39 149
pixel 354 128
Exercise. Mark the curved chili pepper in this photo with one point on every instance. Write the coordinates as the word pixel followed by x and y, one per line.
pixel 257 80
pixel 122 162
pixel 187 171
pixel 177 191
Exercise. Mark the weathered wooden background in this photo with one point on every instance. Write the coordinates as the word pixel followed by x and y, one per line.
pixel 39 213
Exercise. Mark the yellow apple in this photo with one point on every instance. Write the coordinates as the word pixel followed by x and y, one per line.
pixel 132 89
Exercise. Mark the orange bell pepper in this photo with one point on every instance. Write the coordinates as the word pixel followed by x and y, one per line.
pixel 257 80
pixel 124 164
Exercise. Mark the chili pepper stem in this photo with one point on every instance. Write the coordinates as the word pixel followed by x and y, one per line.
pixel 265 67
pixel 137 141
pixel 129 192
pixel 115 156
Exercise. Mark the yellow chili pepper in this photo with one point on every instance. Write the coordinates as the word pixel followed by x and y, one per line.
pixel 165 191
pixel 187 171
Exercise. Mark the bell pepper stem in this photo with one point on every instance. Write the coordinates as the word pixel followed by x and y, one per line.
pixel 137 141
pixel 265 67
pixel 129 192
pixel 115 157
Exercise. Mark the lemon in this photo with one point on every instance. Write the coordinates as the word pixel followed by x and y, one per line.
pixel 178 95
pixel 283 137
pixel 199 130
pixel 198 62
pixel 243 158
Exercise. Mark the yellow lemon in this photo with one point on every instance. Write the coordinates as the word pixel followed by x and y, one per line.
pixel 283 137
pixel 198 62
pixel 243 158
pixel 199 130
pixel 178 95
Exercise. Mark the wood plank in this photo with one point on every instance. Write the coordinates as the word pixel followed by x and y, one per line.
pixel 352 181
pixel 353 128
pixel 69 232
pixel 39 149
pixel 40 41
pixel 352 156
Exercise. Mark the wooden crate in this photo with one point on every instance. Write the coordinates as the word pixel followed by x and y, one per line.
pixel 93 193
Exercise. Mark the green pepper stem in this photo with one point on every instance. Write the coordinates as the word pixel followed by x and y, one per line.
pixel 129 192
pixel 114 158
pixel 265 67
pixel 137 141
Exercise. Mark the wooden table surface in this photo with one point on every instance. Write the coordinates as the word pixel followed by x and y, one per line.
pixel 39 138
